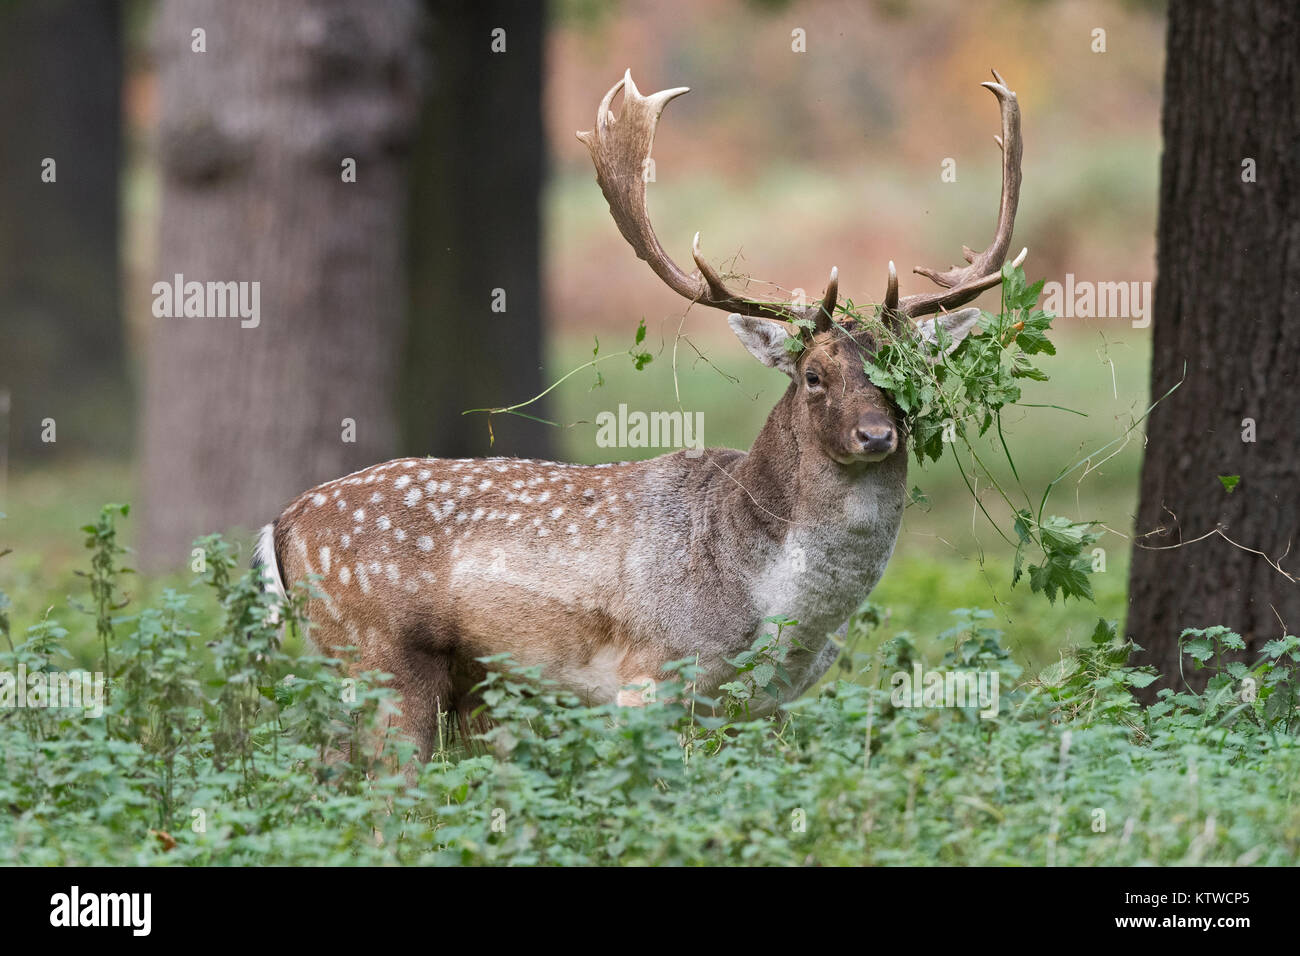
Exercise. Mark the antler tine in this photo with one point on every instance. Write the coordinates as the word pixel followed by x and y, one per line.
pixel 985 268
pixel 824 311
pixel 619 149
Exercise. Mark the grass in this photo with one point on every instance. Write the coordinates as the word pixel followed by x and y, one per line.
pixel 215 746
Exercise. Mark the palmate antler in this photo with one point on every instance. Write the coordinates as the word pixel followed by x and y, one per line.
pixel 960 285
pixel 619 148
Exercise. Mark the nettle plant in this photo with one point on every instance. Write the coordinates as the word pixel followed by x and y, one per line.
pixel 952 400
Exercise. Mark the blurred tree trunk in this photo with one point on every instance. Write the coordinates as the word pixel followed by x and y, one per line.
pixel 63 351
pixel 477 228
pixel 1228 308
pixel 253 134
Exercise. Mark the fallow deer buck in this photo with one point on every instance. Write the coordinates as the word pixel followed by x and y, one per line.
pixel 601 574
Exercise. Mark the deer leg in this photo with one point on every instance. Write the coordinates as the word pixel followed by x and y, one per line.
pixel 423 679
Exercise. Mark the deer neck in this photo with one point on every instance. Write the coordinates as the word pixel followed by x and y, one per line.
pixel 816 534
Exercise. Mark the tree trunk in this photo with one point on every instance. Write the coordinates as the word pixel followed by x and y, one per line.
pixel 477 228
pixel 253 135
pixel 63 355
pixel 1227 309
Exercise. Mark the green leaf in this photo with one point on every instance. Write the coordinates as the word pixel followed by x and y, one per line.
pixel 1105 632
pixel 1056 674
pixel 1229 482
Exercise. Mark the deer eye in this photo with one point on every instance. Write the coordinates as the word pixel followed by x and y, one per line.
pixel 811 378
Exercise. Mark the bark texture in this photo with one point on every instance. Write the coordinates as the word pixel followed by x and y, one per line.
pixel 1227 308
pixel 477 228
pixel 62 350
pixel 252 135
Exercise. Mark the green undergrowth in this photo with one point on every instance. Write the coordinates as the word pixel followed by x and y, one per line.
pixel 221 747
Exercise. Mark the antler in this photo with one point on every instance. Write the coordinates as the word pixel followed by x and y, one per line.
pixel 960 285
pixel 619 148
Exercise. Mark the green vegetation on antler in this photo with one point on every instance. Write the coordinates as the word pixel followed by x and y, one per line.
pixel 954 398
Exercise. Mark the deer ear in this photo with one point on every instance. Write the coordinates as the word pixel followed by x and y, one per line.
pixel 957 324
pixel 765 339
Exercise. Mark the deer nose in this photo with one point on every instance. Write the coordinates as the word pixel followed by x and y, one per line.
pixel 875 439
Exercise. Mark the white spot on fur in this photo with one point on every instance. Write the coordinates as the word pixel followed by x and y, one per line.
pixel 318 499
pixel 345 574
pixel 424 542
pixel 384 523
pixel 412 497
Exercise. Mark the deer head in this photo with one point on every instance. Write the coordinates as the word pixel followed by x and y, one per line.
pixel 834 406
